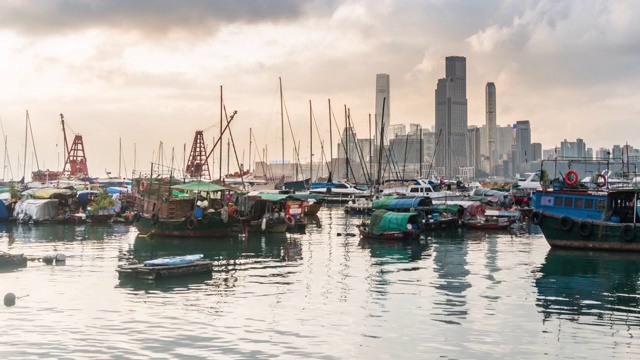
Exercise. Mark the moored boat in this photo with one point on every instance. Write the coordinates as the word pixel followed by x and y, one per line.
pixel 388 225
pixel 575 222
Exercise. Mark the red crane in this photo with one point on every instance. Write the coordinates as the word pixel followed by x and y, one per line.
pixel 75 157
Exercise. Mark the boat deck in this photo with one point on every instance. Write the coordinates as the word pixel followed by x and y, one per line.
pixel 141 271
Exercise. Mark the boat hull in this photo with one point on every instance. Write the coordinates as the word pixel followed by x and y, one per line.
pixel 215 227
pixel 388 235
pixel 602 235
pixel 486 225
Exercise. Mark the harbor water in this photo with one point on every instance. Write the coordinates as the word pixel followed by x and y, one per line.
pixel 324 294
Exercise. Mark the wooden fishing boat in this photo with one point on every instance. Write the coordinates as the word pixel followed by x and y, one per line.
pixel 388 225
pixel 143 271
pixel 487 224
pixel 166 207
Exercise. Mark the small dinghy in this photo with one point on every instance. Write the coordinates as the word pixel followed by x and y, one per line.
pixel 174 260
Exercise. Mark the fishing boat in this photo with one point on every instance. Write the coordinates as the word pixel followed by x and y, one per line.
pixel 579 220
pixel 419 188
pixel 174 260
pixel 167 207
pixel 270 212
pixel 389 225
pixel 488 224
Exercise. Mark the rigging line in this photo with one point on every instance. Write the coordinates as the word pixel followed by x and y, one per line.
pixel 35 152
pixel 324 156
pixel 342 141
pixel 262 162
pixel 7 158
pixel 240 170
pixel 295 146
pixel 359 151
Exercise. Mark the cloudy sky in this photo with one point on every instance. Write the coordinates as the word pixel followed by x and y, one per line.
pixel 150 72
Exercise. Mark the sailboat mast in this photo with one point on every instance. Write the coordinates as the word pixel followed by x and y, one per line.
pixel 26 138
pixel 282 122
pixel 310 143
pixel 220 139
pixel 370 150
pixel 346 141
pixel 250 149
pixel 330 140
pixel 119 157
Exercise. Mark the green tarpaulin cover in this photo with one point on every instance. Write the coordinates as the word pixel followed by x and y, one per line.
pixel 383 221
pixel 200 185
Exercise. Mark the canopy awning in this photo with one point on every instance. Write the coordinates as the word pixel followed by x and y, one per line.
pixel 200 185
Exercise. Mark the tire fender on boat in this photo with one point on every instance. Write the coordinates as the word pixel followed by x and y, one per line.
pixel 536 218
pixel 192 222
pixel 585 228
pixel 628 233
pixel 206 218
pixel 566 223
pixel 154 218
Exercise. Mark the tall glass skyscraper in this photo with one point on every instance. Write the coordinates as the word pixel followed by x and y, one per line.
pixel 451 117
pixel 492 129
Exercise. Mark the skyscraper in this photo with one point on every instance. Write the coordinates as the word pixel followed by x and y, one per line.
pixel 523 144
pixel 451 117
pixel 492 130
pixel 383 92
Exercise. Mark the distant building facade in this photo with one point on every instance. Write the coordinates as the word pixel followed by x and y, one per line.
pixel 383 99
pixel 491 124
pixel 451 117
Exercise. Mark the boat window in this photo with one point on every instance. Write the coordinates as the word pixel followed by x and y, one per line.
pixel 568 202
pixel 559 200
pixel 414 190
pixel 427 189
pixel 588 204
pixel 578 203
pixel 600 205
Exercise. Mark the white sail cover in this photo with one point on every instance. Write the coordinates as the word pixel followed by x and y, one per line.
pixel 36 209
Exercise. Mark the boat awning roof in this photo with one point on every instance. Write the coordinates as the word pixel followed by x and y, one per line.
pixel 46 193
pixel 199 185
pixel 383 220
pixel 279 197
pixel 395 203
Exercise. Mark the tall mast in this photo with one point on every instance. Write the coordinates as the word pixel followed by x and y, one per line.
pixel 119 156
pixel 346 141
pixel 370 150
pixel 282 122
pixel 310 143
pixel 26 138
pixel 330 140
pixel 250 144
pixel 220 139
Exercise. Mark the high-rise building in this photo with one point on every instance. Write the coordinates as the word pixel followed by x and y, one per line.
pixel 395 130
pixel 492 130
pixel 523 144
pixel 506 137
pixel 383 93
pixel 603 154
pixel 451 117
pixel 536 151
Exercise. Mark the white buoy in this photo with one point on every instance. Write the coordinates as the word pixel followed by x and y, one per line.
pixel 9 299
pixel 60 258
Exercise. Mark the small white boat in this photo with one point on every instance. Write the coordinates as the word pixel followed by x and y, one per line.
pixel 174 260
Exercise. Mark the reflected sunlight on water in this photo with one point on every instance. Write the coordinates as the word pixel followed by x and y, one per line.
pixel 324 294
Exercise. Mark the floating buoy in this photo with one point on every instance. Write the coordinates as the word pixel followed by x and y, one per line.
pixel 9 299
pixel 48 259
pixel 60 258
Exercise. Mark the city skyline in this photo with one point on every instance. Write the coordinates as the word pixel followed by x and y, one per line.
pixel 150 72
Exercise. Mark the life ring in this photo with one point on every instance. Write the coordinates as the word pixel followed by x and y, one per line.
pixel 290 220
pixel 585 228
pixel 206 218
pixel 604 180
pixel 627 233
pixel 571 177
pixel 143 185
pixel 566 223
pixel 154 218
pixel 192 222
pixel 536 218
pixel 234 212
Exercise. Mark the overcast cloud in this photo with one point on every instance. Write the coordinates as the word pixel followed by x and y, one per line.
pixel 151 71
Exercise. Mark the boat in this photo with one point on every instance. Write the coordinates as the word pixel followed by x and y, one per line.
pixel 358 206
pixel 174 260
pixel 476 216
pixel 168 207
pixel 580 220
pixel 389 225
pixel 271 212
pixel 8 260
pixel 339 190
pixel 419 188
pixel 488 224
pixel 142 271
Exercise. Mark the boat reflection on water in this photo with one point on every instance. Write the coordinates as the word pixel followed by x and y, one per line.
pixel 231 257
pixel 395 251
pixel 63 232
pixel 603 285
